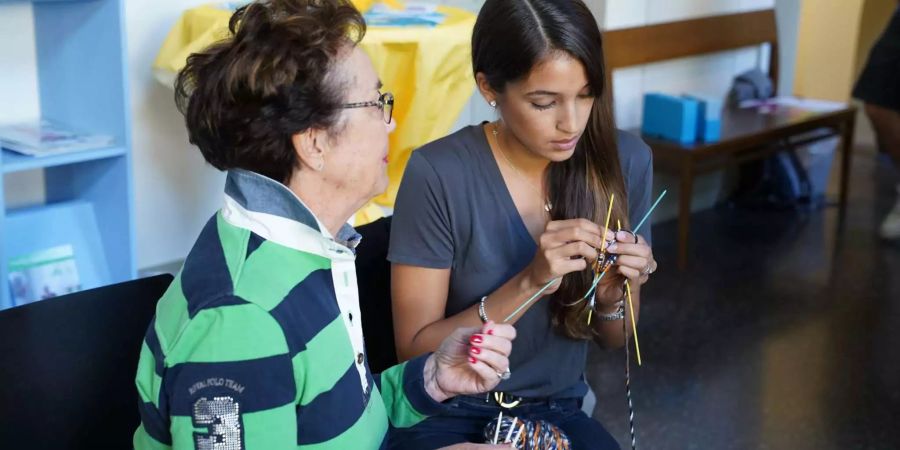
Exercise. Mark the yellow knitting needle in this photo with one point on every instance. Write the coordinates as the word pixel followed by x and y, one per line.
pixel 637 346
pixel 612 198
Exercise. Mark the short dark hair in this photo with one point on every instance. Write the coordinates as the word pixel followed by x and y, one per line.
pixel 244 97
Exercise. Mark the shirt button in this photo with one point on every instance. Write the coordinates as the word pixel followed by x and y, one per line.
pixel 359 358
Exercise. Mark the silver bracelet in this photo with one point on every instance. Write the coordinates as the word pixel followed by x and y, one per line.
pixel 481 314
pixel 619 314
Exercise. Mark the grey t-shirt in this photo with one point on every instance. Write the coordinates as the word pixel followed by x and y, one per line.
pixel 454 211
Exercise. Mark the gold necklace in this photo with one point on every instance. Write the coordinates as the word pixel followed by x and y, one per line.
pixel 547 205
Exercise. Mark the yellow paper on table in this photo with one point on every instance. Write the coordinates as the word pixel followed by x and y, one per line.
pixel 200 27
pixel 364 5
pixel 428 69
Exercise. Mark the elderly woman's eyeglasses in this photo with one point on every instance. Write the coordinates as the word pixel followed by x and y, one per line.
pixel 385 103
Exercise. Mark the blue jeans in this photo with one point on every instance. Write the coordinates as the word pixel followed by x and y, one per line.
pixel 465 419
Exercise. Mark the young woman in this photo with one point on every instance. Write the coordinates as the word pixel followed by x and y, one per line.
pixel 488 216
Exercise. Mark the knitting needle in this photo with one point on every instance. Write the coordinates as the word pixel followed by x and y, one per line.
pixel 511 427
pixel 637 346
pixel 515 441
pixel 612 198
pixel 533 298
pixel 591 311
pixel 497 429
pixel 650 211
pixel 594 286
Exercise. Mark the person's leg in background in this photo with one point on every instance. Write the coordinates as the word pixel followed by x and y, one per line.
pixel 878 87
pixel 886 123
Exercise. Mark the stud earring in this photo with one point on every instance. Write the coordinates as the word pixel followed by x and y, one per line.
pixel 493 103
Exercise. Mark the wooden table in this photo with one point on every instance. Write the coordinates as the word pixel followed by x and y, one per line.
pixel 750 135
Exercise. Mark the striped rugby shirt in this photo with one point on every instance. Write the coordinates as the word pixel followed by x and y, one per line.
pixel 257 344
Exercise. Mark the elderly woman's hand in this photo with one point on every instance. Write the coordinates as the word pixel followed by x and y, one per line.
pixel 469 361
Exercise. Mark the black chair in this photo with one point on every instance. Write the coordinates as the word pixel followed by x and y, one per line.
pixel 68 367
pixel 373 273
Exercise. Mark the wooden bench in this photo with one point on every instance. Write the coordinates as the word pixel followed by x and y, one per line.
pixel 746 134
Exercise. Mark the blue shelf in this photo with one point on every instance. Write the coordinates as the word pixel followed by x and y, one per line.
pixel 14 162
pixel 44 1
pixel 67 223
pixel 83 84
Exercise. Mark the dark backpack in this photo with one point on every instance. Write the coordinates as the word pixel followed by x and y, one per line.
pixel 779 181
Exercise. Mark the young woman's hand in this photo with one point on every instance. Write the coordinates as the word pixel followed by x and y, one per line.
pixel 635 260
pixel 566 246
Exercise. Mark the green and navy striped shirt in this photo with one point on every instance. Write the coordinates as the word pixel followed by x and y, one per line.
pixel 258 344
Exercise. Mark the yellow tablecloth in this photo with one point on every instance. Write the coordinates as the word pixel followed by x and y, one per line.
pixel 428 69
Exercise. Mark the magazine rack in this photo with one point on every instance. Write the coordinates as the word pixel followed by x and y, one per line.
pixel 81 69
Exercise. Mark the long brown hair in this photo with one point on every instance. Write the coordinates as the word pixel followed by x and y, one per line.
pixel 510 38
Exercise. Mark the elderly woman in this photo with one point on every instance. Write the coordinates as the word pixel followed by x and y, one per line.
pixel 258 342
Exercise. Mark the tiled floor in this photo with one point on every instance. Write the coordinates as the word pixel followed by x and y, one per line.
pixel 783 334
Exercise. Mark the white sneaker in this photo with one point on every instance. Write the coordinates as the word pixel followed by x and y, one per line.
pixel 890 228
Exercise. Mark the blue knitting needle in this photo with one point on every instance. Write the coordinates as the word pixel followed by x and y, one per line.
pixel 597 280
pixel 650 211
pixel 655 204
pixel 640 224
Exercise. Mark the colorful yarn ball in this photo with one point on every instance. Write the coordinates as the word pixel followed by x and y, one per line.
pixel 535 434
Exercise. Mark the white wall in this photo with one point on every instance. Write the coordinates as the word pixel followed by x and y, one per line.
pixel 19 90
pixel 176 192
pixel 705 74
pixel 19 93
pixel 788 15
pixel 710 75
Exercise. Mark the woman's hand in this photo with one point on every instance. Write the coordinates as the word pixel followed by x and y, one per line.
pixel 566 246
pixel 469 361
pixel 635 260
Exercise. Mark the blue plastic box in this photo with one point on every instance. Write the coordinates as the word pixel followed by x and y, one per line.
pixel 684 119
pixel 670 117
pixel 709 118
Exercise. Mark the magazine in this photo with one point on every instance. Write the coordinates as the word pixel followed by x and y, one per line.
pixel 43 138
pixel 412 14
pixel 43 274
